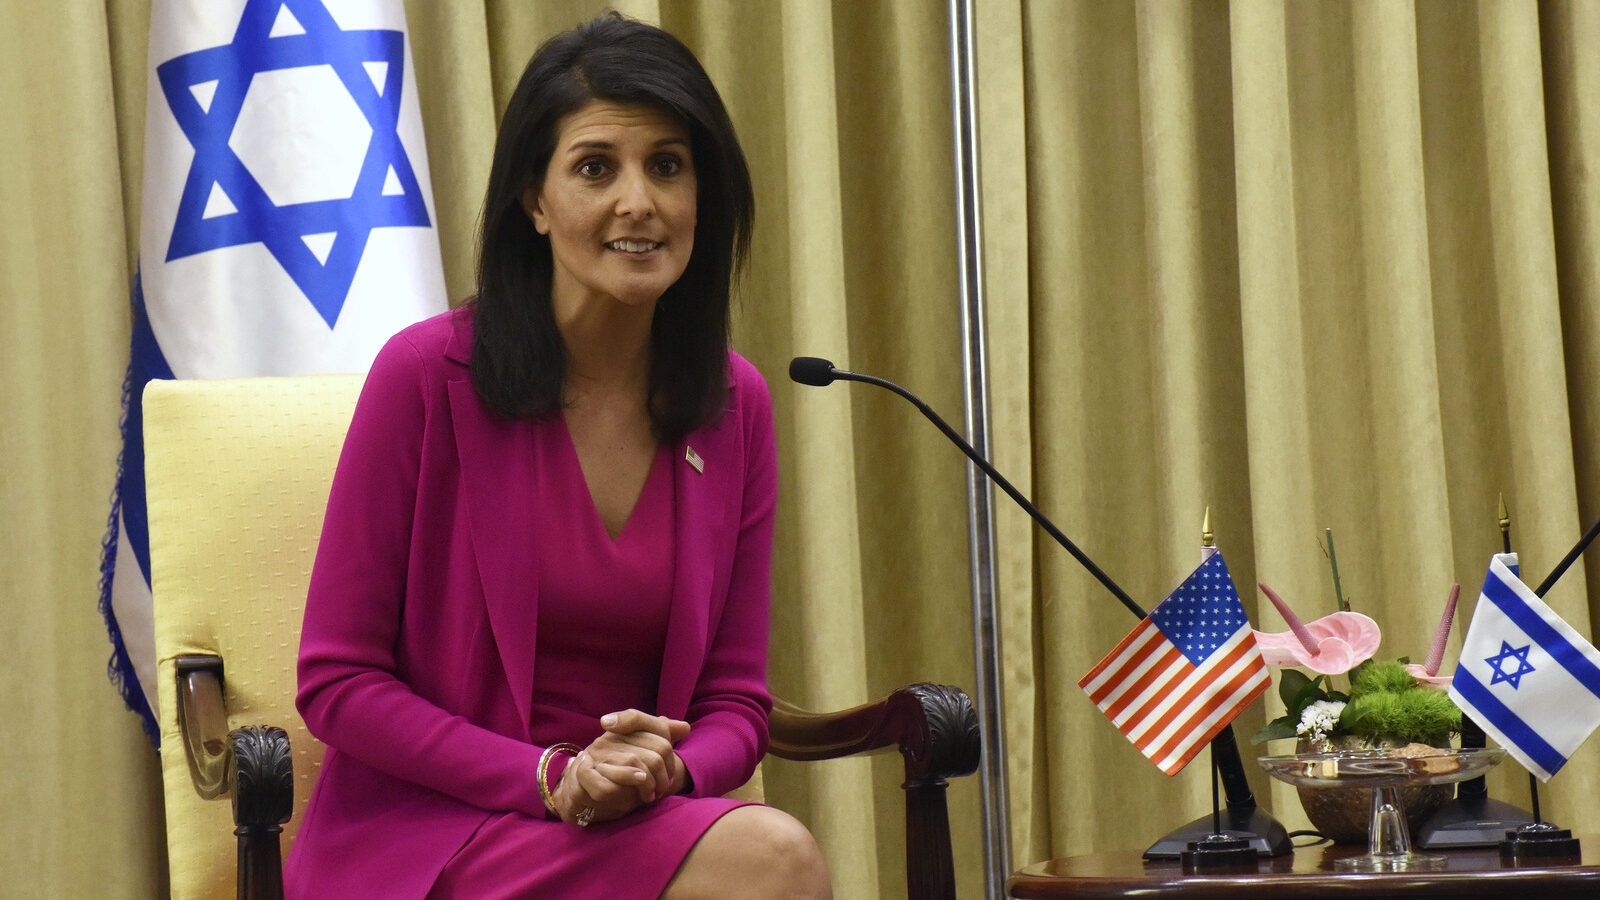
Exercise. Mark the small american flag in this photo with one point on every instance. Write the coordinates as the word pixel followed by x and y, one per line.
pixel 1184 672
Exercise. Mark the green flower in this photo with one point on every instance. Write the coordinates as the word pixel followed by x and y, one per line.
pixel 1385 704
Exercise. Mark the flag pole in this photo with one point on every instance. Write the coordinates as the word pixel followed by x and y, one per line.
pixel 1567 561
pixel 1505 525
pixel 1263 834
pixel 1218 850
pixel 1473 818
pixel 1537 842
pixel 1540 839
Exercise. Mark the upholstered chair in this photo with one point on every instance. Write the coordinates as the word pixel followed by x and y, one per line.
pixel 237 476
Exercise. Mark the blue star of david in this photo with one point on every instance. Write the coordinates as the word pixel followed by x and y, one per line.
pixel 1506 654
pixel 258 219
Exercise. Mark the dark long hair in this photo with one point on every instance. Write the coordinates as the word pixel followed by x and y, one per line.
pixel 518 356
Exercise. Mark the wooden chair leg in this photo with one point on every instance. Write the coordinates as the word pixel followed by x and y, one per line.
pixel 930 866
pixel 260 863
pixel 935 728
pixel 263 798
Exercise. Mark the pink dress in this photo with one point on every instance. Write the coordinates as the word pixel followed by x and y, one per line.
pixel 603 605
pixel 450 632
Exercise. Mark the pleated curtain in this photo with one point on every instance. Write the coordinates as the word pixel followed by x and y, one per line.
pixel 1313 265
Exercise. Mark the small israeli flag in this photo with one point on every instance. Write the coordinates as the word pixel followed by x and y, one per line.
pixel 1525 675
pixel 287 228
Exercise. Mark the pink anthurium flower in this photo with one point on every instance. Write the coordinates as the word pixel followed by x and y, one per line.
pixel 1331 645
pixel 1428 675
pixel 1437 682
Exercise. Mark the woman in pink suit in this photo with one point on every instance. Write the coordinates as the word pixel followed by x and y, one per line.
pixel 535 640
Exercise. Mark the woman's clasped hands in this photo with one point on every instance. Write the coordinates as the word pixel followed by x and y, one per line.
pixel 631 764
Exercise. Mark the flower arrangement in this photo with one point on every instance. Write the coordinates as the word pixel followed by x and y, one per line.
pixel 1388 702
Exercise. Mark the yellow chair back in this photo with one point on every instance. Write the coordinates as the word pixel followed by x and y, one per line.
pixel 237 474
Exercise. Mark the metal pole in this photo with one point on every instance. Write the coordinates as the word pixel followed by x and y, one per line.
pixel 980 495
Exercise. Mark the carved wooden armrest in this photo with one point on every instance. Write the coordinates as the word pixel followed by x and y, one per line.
pixel 935 728
pixel 933 725
pixel 252 764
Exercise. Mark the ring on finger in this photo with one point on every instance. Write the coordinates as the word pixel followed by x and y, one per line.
pixel 585 816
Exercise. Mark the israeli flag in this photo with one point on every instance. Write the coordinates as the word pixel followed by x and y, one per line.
pixel 287 228
pixel 1525 675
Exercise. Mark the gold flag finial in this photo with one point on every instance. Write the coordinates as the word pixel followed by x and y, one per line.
pixel 1207 539
pixel 1505 516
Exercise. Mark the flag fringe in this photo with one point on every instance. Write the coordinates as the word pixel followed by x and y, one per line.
pixel 119 668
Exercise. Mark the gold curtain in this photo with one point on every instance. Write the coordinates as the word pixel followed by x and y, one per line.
pixel 1309 264
pixel 1313 265
pixel 853 260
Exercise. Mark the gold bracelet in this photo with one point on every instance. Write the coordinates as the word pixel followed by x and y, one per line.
pixel 544 772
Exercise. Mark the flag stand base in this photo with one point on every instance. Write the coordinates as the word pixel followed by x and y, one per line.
pixel 1239 819
pixel 1471 822
pixel 1218 852
pixel 1538 843
pixel 1265 836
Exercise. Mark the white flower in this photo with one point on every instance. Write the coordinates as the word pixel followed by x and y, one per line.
pixel 1319 719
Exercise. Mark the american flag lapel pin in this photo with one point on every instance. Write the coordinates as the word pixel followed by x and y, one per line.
pixel 694 459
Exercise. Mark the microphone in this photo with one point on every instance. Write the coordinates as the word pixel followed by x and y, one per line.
pixel 820 373
pixel 813 371
pixel 1264 833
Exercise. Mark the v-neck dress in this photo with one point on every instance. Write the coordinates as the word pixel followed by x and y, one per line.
pixel 467 609
pixel 602 625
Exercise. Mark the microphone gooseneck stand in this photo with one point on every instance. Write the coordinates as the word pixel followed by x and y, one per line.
pixel 1244 819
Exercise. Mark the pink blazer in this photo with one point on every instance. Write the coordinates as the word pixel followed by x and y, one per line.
pixel 417 653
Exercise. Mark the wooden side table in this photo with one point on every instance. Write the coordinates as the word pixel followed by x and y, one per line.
pixel 1306 873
